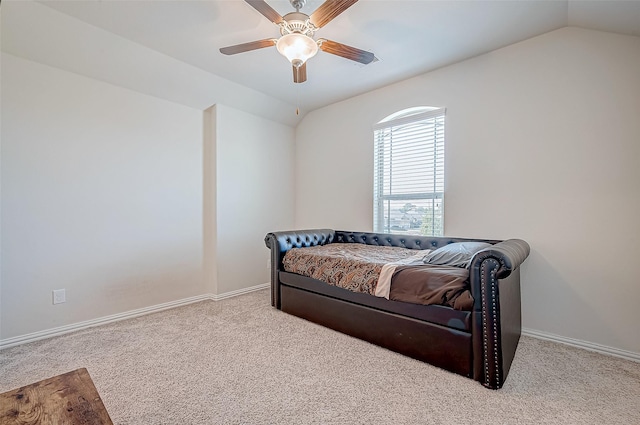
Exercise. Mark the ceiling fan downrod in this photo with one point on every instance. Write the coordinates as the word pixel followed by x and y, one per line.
pixel 297 4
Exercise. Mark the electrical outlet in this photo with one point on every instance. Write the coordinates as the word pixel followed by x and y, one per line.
pixel 59 296
pixel 268 264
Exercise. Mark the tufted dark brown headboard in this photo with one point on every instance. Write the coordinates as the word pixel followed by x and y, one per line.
pixel 403 241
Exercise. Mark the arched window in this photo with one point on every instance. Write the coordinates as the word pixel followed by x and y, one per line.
pixel 409 172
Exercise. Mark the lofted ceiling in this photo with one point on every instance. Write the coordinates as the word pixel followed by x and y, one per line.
pixel 408 37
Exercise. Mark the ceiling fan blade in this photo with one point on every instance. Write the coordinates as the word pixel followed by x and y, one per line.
pixel 345 51
pixel 328 11
pixel 300 73
pixel 245 47
pixel 266 10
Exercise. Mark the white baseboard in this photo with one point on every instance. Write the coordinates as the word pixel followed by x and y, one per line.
pixel 36 336
pixel 239 292
pixel 586 345
pixel 61 330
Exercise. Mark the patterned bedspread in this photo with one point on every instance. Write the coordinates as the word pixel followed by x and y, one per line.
pixel 358 267
pixel 351 266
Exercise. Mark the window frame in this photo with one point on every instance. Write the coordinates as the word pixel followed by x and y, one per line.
pixel 382 143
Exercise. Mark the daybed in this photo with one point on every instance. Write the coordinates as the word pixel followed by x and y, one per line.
pixel 479 344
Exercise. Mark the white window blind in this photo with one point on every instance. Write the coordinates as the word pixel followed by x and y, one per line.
pixel 409 174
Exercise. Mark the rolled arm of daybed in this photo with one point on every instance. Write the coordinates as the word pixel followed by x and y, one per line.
pixel 495 285
pixel 509 254
pixel 281 242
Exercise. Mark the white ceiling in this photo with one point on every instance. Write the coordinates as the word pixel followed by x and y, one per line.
pixel 409 37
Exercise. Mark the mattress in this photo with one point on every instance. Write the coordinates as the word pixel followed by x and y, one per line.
pixel 364 268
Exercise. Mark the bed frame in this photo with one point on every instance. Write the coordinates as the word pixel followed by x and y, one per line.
pixel 478 344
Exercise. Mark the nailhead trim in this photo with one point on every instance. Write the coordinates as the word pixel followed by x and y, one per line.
pixel 494 312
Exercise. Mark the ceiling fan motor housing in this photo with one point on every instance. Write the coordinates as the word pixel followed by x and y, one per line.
pixel 297 22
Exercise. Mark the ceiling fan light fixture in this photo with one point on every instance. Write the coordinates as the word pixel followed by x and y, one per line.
pixel 297 48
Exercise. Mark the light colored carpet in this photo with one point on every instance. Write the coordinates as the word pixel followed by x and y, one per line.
pixel 239 361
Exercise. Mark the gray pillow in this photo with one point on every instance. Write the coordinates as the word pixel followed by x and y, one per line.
pixel 457 254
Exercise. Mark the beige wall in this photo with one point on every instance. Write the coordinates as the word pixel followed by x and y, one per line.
pixel 116 197
pixel 209 217
pixel 101 195
pixel 254 194
pixel 543 143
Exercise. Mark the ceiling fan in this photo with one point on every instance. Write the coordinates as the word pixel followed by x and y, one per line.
pixel 297 30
